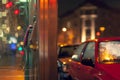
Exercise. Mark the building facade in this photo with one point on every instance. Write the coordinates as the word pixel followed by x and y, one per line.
pixel 89 21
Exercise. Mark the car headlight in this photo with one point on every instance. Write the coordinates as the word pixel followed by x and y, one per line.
pixel 64 67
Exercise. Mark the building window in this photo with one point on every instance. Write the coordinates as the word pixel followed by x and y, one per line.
pixel 88 23
pixel 88 12
pixel 88 34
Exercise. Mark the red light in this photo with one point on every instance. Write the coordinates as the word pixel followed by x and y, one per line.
pixel 9 4
pixel 98 33
pixel 22 52
pixel 17 11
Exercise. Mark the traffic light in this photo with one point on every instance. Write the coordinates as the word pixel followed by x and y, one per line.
pixel 21 51
pixel 9 5
pixel 16 11
pixel 20 48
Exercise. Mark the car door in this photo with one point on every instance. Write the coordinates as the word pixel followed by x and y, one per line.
pixel 81 68
pixel 73 66
pixel 87 62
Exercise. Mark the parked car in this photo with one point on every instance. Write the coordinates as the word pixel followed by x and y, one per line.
pixel 97 59
pixel 64 57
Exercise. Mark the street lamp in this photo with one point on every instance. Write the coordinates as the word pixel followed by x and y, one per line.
pixel 102 29
pixel 64 29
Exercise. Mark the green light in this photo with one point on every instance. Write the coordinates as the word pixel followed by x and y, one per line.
pixel 20 48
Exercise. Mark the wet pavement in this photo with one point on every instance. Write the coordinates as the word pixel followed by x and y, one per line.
pixel 10 68
pixel 11 73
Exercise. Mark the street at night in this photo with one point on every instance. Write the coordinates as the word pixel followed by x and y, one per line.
pixel 59 39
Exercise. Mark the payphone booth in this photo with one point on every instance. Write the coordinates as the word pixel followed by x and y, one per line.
pixel 27 47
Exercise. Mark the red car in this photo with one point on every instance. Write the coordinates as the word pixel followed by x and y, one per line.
pixel 96 60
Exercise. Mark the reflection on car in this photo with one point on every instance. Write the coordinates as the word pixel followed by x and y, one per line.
pixel 64 57
pixel 97 59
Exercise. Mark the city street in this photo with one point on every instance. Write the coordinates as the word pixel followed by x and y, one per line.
pixel 34 32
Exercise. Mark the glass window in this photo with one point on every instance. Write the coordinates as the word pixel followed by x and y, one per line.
pixel 67 51
pixel 78 52
pixel 89 52
pixel 109 52
pixel 15 18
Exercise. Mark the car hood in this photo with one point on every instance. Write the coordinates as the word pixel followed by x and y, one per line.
pixel 65 60
pixel 110 70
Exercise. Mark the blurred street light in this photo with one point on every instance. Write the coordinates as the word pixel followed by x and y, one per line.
pixel 1 33
pixel 98 33
pixel 64 29
pixel 19 28
pixel 23 0
pixel 102 29
pixel 13 39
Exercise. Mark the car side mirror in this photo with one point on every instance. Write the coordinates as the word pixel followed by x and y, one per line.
pixel 87 62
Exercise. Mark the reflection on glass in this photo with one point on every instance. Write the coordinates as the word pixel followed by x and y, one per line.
pixel 14 19
pixel 109 52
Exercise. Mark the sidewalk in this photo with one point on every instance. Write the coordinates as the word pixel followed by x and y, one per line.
pixel 10 70
pixel 11 73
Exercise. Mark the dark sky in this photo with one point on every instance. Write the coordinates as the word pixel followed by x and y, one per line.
pixel 68 5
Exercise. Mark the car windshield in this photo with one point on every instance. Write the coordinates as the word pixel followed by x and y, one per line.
pixel 66 51
pixel 109 52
